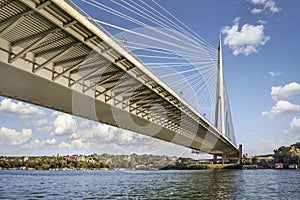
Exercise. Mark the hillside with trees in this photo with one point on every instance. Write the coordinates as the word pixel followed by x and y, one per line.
pixel 288 155
pixel 94 161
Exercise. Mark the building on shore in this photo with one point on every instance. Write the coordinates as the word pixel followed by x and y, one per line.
pixel 278 165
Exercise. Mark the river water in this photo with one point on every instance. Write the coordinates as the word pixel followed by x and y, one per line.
pixel 206 184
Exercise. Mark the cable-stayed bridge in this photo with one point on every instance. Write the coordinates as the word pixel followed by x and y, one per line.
pixel 164 82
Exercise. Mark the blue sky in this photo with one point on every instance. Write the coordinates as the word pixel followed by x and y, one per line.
pixel 260 59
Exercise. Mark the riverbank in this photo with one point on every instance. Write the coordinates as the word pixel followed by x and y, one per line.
pixel 195 166
pixel 106 162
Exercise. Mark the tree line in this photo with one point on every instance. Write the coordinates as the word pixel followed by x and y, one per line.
pixel 94 161
pixel 288 155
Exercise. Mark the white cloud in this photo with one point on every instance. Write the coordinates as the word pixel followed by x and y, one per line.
pixel 64 145
pixel 32 144
pixel 84 124
pixel 245 40
pixel 99 137
pixel 256 11
pixel 23 110
pixel 50 142
pixel 295 125
pixel 42 122
pixel 262 21
pixel 79 144
pixel 258 1
pixel 266 4
pixel 64 124
pixel 285 92
pixel 13 137
pixel 37 146
pixel 104 134
pixel 282 108
pixel 126 138
pixel 99 133
pixel 43 125
pixel 74 136
pixel 272 6
pixel 281 94
pixel 273 74
pixel 23 139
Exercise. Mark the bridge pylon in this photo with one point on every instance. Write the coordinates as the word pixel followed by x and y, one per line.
pixel 220 96
pixel 220 119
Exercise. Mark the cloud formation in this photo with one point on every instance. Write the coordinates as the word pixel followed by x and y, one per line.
pixel 245 40
pixel 273 74
pixel 282 108
pixel 63 124
pixel 43 125
pixel 49 142
pixel 100 137
pixel 255 11
pixel 264 5
pixel 281 94
pixel 285 92
pixel 13 137
pixel 23 110
pixel 100 134
pixel 295 125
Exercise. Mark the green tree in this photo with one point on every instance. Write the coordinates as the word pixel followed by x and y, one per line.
pixel 82 165
pixel 124 164
pixel 132 163
pixel 63 164
pixel 288 155
pixel 45 166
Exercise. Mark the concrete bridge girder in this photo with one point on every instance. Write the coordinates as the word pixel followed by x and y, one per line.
pixel 31 74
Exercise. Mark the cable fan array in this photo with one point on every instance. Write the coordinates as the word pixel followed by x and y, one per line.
pixel 169 48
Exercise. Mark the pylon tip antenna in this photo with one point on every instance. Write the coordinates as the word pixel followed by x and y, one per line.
pixel 220 41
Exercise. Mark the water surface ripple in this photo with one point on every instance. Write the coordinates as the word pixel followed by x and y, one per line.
pixel 207 184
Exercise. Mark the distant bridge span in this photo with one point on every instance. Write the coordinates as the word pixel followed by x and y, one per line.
pixel 53 56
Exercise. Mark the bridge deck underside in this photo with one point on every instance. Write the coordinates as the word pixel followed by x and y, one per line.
pixel 52 59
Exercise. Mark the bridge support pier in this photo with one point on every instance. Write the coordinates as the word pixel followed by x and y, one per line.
pixel 241 153
pixel 224 159
pixel 215 159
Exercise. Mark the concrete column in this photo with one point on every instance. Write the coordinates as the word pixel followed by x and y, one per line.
pixel 241 153
pixel 224 159
pixel 215 160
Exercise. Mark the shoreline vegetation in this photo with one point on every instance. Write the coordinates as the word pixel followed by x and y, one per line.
pixel 99 162
pixel 286 156
pixel 107 162
pixel 86 162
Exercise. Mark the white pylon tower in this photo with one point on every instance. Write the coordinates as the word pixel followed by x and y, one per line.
pixel 220 102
